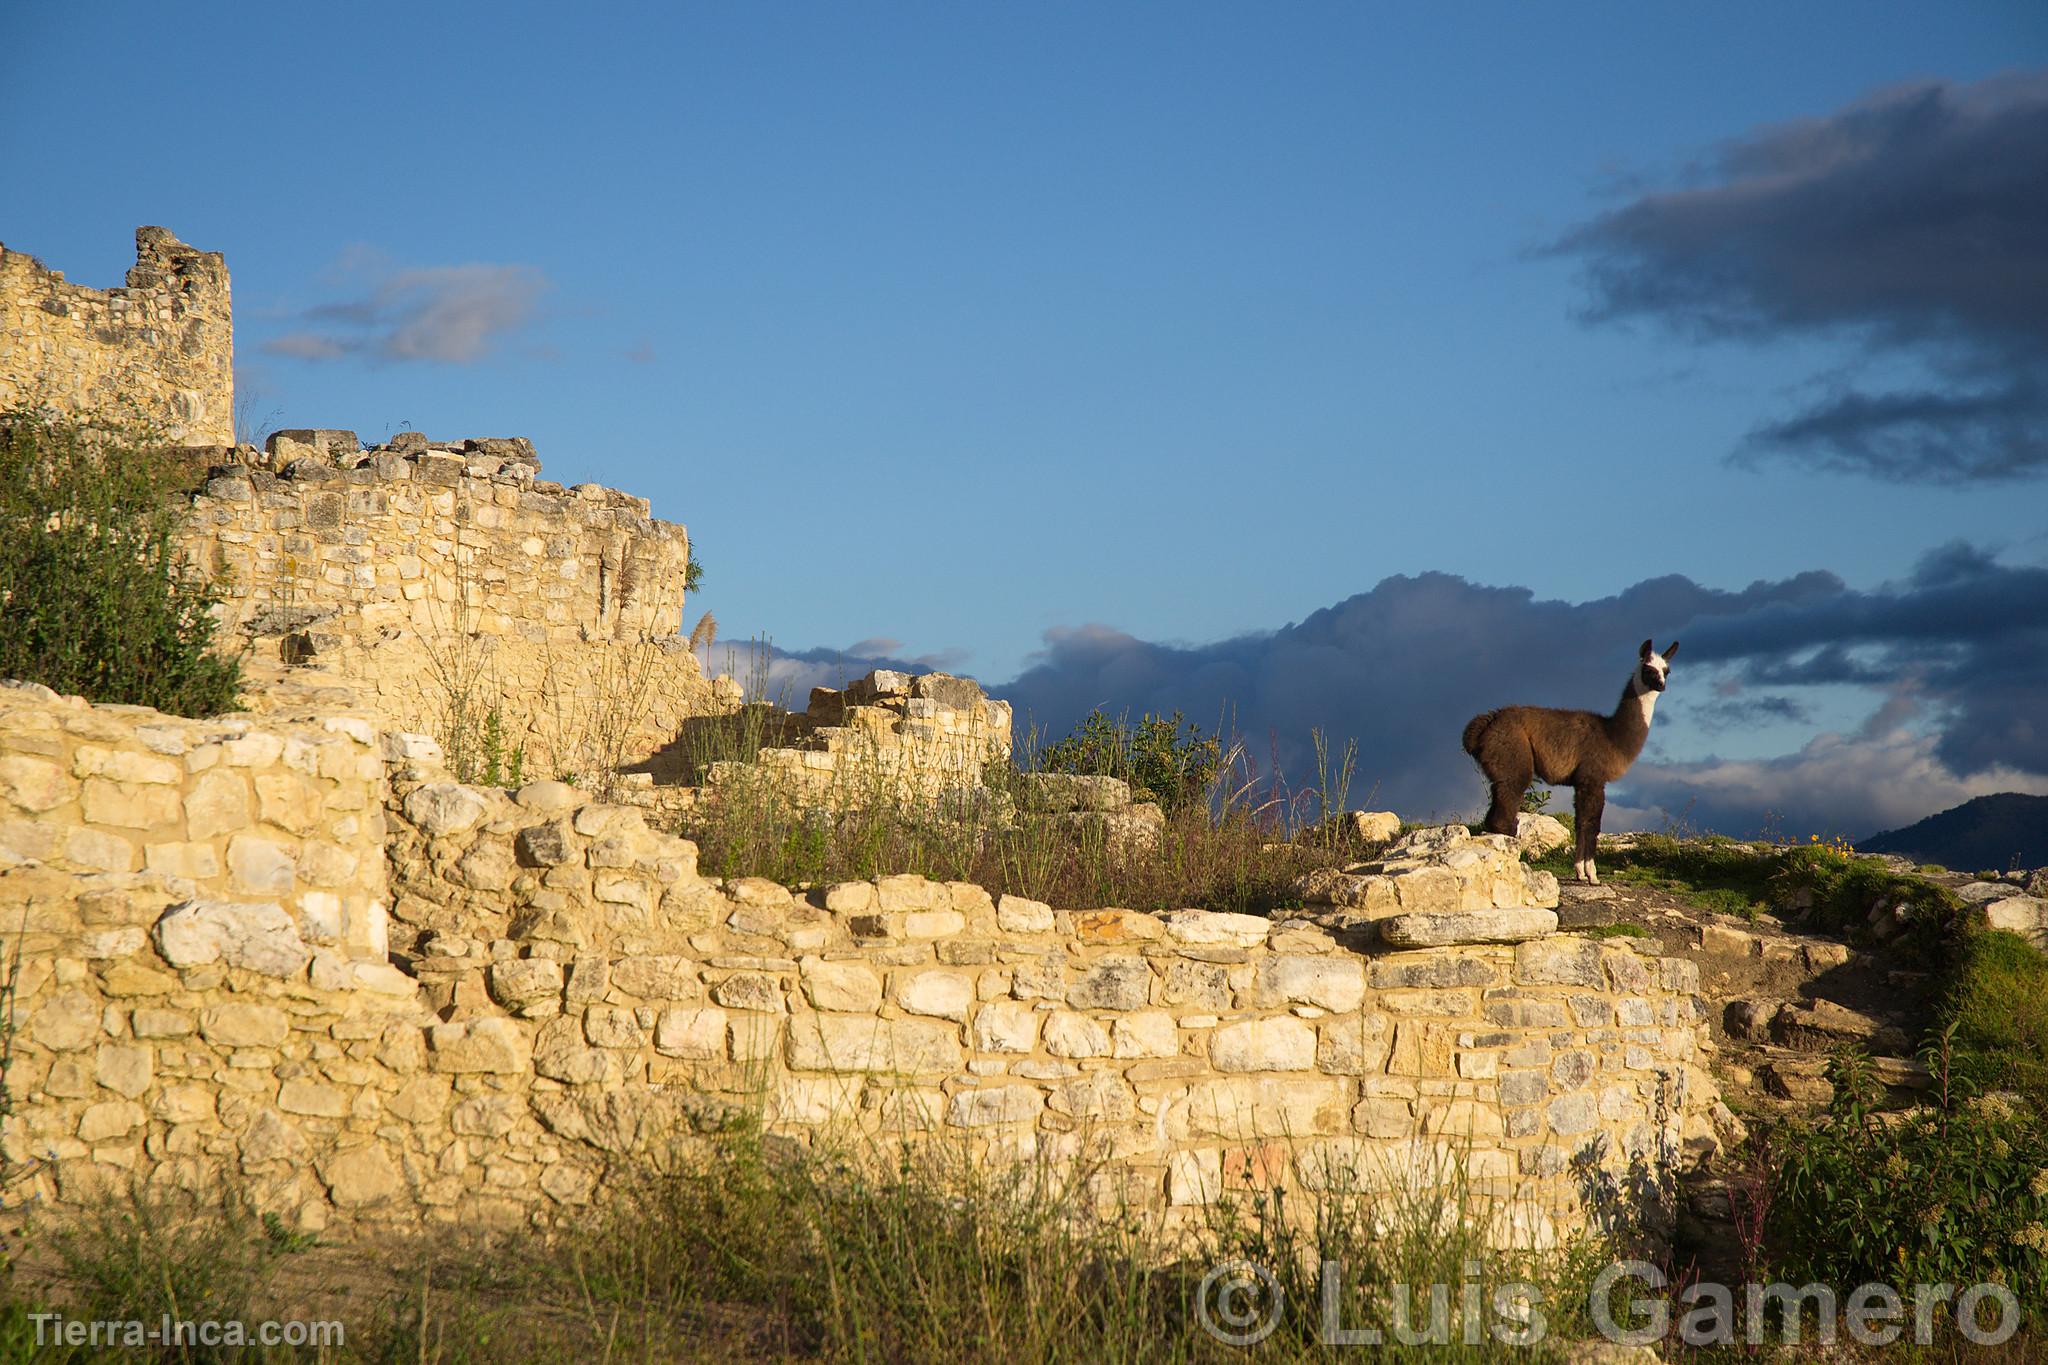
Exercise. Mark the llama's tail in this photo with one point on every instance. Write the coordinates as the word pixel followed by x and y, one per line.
pixel 1475 730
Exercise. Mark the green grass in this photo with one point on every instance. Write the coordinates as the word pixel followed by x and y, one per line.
pixel 753 1248
pixel 1722 876
pixel 1614 931
pixel 1998 1003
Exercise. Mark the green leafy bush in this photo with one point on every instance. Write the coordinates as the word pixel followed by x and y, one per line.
pixel 1957 1192
pixel 1164 758
pixel 95 597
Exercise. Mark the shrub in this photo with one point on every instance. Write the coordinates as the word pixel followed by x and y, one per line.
pixel 95 596
pixel 1164 758
pixel 1957 1192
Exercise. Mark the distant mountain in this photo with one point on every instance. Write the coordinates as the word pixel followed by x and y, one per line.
pixel 1985 834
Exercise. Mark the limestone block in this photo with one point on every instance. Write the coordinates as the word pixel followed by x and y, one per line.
pixel 1353 1045
pixel 611 1026
pixel 2026 916
pixel 1538 834
pixel 1429 891
pixel 1369 893
pixel 1211 929
pixel 261 867
pixel 1359 826
pixel 981 1108
pixel 124 1068
pixel 361 1176
pixel 1197 985
pixel 488 866
pixel 939 993
pixel 496 1046
pixel 1112 983
pixel 846 987
pixel 1571 1115
pixel 910 893
pixel 241 1023
pixel 444 809
pixel 217 803
pixel 1016 915
pixel 521 983
pixel 1560 962
pixel 1098 1096
pixel 657 976
pixel 1431 970
pixel 155 1023
pixel 698 1034
pixel 308 1097
pixel 749 991
pixel 100 850
pixel 259 936
pixel 1075 1035
pixel 850 898
pixel 129 805
pixel 547 845
pixel 1467 926
pixel 814 1099
pixel 929 924
pixel 1005 1026
pixel 1145 1033
pixel 1247 1107
pixel 111 1119
pixel 32 784
pixel 826 1042
pixel 1280 1044
pixel 1333 983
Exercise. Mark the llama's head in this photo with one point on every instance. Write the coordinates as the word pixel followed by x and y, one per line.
pixel 1653 668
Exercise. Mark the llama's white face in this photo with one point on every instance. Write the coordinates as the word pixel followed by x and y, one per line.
pixel 1654 668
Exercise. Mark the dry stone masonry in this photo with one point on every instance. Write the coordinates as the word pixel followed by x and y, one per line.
pixel 161 349
pixel 532 988
pixel 447 580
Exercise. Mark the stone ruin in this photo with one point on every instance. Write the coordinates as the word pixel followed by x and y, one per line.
pixel 293 950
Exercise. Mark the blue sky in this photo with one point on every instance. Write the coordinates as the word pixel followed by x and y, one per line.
pixel 951 326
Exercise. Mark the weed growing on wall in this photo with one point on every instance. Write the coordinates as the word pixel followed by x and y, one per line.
pixel 94 595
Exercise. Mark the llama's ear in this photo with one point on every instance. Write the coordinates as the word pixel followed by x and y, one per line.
pixel 1670 650
pixel 1647 650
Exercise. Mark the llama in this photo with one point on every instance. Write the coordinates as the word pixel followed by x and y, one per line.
pixel 1519 744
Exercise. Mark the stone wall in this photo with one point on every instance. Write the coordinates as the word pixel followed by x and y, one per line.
pixel 886 737
pixel 565 994
pixel 445 580
pixel 285 809
pixel 160 349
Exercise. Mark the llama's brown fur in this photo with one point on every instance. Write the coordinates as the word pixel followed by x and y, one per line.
pixel 1518 745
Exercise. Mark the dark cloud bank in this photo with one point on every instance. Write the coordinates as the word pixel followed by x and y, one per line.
pixel 1954 660
pixel 1959 653
pixel 1914 222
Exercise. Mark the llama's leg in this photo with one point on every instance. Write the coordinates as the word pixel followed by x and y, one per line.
pixel 1588 800
pixel 1506 805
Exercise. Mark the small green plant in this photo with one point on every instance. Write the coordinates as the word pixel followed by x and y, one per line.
pixel 97 597
pixel 1164 758
pixel 693 571
pixel 1536 800
pixel 500 767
